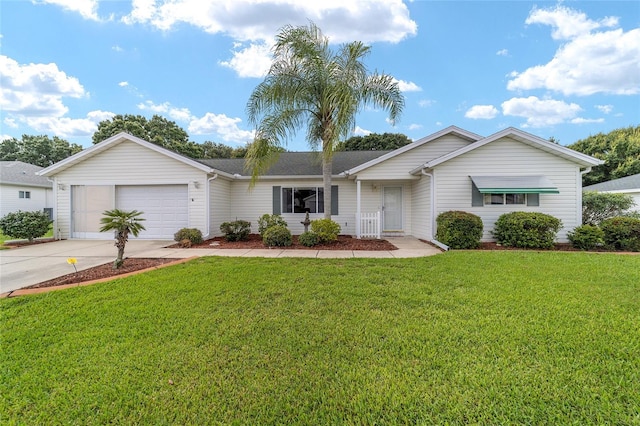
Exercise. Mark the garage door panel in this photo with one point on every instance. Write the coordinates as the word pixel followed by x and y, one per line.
pixel 165 207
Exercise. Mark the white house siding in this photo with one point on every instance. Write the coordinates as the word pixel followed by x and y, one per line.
pixel 219 205
pixel 10 201
pixel 453 186
pixel 421 208
pixel 399 166
pixel 130 164
pixel 251 204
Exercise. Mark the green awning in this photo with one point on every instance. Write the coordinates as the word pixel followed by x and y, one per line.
pixel 514 185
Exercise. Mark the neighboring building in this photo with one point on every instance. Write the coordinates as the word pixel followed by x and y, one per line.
pixel 22 189
pixel 398 192
pixel 629 185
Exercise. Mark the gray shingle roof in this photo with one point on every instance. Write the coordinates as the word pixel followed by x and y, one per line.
pixel 19 173
pixel 628 182
pixel 298 163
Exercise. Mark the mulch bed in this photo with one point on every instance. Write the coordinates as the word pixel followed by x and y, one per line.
pixel 344 242
pixel 103 271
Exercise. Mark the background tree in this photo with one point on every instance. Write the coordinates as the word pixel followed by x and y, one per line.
pixel 309 85
pixel 620 150
pixel 374 142
pixel 598 206
pixel 40 150
pixel 123 223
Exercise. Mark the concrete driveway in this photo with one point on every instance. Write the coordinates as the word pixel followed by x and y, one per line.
pixel 24 266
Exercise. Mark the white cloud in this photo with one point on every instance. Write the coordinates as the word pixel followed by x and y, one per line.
pixel 605 108
pixel 484 112
pixel 221 125
pixel 568 23
pixel 123 84
pixel 359 131
pixel 5 137
pixel 180 114
pixel 407 86
pixel 88 9
pixel 36 89
pixel 11 122
pixel 540 112
pixel 69 127
pixel 415 126
pixel 589 62
pixel 117 48
pixel 252 61
pixel 502 52
pixel 259 20
pixel 580 120
pixel 425 103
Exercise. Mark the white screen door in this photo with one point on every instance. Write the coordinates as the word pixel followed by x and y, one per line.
pixel 88 203
pixel 392 208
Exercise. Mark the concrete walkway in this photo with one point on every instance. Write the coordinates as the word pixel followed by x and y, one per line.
pixel 24 266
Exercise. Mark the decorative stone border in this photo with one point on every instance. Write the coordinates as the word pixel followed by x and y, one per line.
pixel 26 292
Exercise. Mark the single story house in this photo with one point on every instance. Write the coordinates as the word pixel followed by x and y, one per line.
pixel 629 185
pixel 22 189
pixel 374 193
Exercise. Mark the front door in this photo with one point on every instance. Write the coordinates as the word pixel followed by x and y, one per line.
pixel 392 209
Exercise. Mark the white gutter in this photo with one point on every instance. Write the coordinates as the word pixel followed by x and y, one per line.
pixel 432 203
pixel 207 197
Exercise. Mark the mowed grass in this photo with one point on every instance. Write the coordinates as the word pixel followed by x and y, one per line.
pixel 458 338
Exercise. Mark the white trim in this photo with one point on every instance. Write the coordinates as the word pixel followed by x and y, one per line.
pixel 116 140
pixel 449 130
pixel 358 207
pixel 522 137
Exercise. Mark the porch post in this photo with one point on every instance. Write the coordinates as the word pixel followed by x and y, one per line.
pixel 358 219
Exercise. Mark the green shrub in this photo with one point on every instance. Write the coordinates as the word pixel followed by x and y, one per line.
pixel 266 221
pixel 308 239
pixel 598 206
pixel 277 236
pixel 192 234
pixel 459 230
pixel 622 233
pixel 28 225
pixel 586 237
pixel 238 230
pixel 326 230
pixel 527 229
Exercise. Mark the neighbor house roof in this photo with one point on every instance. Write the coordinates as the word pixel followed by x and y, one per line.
pixel 298 163
pixel 524 137
pixel 19 173
pixel 622 184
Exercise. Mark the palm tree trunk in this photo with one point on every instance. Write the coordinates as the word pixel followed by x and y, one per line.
pixel 327 166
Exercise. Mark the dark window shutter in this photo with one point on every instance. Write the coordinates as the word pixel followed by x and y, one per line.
pixel 477 199
pixel 533 199
pixel 334 199
pixel 277 205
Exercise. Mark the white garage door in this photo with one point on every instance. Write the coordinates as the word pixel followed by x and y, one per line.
pixel 165 208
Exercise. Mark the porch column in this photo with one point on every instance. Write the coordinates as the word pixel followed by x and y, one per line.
pixel 358 220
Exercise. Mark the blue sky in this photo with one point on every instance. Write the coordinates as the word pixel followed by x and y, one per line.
pixel 563 69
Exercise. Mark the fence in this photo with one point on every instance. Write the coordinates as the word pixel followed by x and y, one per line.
pixel 369 225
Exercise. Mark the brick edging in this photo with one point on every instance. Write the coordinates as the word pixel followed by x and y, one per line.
pixel 25 292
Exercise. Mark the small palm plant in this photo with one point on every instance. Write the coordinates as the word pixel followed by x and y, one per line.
pixel 122 223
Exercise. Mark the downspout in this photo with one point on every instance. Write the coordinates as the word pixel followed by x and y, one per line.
pixel 208 198
pixel 54 194
pixel 432 203
pixel 579 195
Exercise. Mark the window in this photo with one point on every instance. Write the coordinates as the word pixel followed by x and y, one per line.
pixel 302 200
pixel 500 199
pixel 24 194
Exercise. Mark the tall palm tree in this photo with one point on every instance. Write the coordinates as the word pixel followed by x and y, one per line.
pixel 123 223
pixel 310 85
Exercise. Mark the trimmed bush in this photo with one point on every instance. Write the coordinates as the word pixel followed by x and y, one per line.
pixel 238 230
pixel 192 234
pixel 266 221
pixel 326 229
pixel 622 233
pixel 459 230
pixel 527 230
pixel 308 239
pixel 586 237
pixel 277 236
pixel 27 225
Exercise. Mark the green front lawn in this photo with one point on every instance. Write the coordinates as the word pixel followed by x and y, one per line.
pixel 463 337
